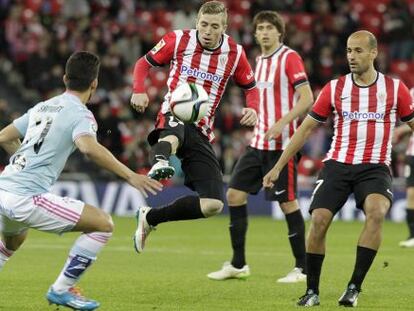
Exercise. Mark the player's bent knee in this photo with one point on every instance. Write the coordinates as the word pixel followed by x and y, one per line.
pixel 211 207
pixel 289 207
pixel 320 221
pixel 236 197
pixel 375 217
pixel 14 242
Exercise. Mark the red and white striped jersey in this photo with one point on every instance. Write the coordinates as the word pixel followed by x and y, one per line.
pixel 277 76
pixel 364 117
pixel 210 68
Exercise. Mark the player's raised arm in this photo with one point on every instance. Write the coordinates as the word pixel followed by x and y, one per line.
pixel 89 146
pixel 160 54
pixel 10 139
pixel 139 99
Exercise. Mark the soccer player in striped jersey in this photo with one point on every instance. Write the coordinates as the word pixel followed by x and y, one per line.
pixel 365 105
pixel 208 57
pixel 51 131
pixel 285 94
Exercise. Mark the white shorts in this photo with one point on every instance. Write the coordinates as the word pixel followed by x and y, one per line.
pixel 45 212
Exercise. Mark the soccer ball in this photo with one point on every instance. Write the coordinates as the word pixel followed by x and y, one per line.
pixel 189 102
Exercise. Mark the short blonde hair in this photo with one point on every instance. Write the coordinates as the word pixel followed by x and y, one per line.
pixel 213 8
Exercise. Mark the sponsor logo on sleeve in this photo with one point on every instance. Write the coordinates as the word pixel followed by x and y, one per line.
pixel 158 47
pixel 250 75
pixel 299 75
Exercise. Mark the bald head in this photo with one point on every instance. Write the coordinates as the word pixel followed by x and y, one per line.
pixel 361 52
pixel 365 35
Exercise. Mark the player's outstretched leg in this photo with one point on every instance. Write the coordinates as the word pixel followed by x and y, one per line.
pixel 185 208
pixel 5 254
pixel 83 253
pixel 10 244
pixel 143 228
pixel 72 298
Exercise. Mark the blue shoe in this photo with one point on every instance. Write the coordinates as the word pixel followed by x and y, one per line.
pixel 71 299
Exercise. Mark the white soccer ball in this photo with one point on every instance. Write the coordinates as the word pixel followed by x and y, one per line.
pixel 189 102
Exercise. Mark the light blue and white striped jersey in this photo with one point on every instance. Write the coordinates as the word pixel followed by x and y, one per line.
pixel 49 130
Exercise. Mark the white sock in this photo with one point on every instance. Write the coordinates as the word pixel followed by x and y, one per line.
pixel 5 254
pixel 81 256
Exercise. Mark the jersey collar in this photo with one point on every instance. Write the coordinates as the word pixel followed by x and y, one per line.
pixel 364 86
pixel 73 97
pixel 273 53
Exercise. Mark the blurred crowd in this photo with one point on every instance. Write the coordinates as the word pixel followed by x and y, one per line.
pixel 37 36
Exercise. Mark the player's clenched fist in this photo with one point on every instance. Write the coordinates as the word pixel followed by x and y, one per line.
pixel 271 177
pixel 139 101
pixel 249 117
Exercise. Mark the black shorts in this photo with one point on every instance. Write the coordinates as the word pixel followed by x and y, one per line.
pixel 409 171
pixel 202 171
pixel 338 180
pixel 251 168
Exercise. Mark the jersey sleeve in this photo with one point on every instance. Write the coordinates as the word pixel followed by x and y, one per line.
pixel 84 125
pixel 22 123
pixel 405 105
pixel 163 52
pixel 322 107
pixel 244 75
pixel 295 70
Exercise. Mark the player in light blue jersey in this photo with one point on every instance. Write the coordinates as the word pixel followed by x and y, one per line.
pixel 51 131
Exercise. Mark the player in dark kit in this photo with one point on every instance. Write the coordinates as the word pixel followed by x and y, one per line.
pixel 284 95
pixel 207 57
pixel 365 105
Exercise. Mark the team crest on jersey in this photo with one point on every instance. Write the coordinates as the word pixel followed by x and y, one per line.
pixel 19 162
pixel 158 47
pixel 222 60
pixel 381 97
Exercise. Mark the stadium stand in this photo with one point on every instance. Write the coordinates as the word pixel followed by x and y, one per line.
pixel 37 36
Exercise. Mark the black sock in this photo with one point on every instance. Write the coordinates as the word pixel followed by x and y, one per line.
pixel 184 208
pixel 314 267
pixel 364 258
pixel 296 227
pixel 238 229
pixel 161 151
pixel 410 221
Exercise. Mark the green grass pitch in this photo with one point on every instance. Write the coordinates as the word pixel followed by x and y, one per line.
pixel 171 273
